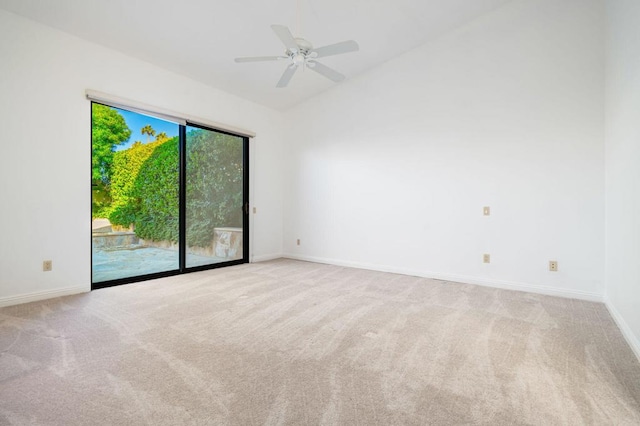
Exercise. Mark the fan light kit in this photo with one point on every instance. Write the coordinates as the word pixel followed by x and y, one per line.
pixel 300 52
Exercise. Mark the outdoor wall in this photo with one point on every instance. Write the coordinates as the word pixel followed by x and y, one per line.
pixel 391 169
pixel 623 167
pixel 46 148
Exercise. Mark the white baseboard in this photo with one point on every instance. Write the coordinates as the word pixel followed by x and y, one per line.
pixel 265 257
pixel 41 295
pixel 507 285
pixel 628 334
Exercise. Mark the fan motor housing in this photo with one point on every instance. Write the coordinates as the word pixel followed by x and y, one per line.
pixel 304 47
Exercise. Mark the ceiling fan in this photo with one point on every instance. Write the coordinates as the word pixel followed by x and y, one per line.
pixel 302 53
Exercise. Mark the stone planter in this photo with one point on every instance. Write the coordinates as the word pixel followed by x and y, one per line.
pixel 114 240
pixel 227 243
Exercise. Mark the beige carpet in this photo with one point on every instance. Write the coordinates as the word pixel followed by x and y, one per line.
pixel 287 342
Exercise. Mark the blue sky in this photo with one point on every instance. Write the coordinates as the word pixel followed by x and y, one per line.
pixel 137 121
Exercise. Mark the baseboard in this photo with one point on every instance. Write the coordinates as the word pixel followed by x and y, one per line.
pixel 507 285
pixel 265 257
pixel 41 295
pixel 629 336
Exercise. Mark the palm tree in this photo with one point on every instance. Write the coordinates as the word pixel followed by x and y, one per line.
pixel 161 136
pixel 148 130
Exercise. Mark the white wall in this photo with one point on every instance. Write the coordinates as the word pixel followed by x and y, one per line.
pixel 623 166
pixel 46 148
pixel 391 170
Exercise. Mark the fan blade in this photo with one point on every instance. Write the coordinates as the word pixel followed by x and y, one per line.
pixel 285 36
pixel 260 58
pixel 286 76
pixel 324 70
pixel 336 49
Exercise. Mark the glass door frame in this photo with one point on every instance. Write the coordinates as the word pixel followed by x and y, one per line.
pixel 182 222
pixel 183 202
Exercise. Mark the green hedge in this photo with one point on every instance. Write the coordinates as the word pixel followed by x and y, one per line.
pixel 155 195
pixel 125 170
pixel 144 187
pixel 214 184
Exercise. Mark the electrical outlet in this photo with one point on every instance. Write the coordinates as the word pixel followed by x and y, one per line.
pixel 553 266
pixel 486 211
pixel 486 258
pixel 47 265
pixel 255 210
pixel 298 241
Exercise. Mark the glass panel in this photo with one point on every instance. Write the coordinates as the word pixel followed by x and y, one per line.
pixel 135 163
pixel 214 197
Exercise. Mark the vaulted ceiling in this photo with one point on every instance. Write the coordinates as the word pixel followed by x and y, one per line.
pixel 200 38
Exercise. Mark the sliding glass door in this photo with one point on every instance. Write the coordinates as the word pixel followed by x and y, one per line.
pixel 214 197
pixel 167 198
